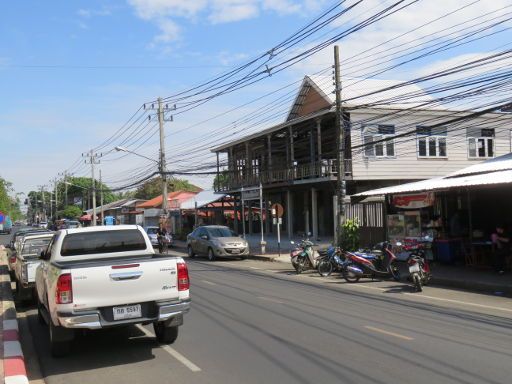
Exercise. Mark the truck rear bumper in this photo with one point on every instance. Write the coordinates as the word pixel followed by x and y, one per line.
pixel 168 312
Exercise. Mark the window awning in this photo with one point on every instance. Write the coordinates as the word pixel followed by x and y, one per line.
pixel 443 183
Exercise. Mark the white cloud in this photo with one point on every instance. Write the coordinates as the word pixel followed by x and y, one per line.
pixel 164 13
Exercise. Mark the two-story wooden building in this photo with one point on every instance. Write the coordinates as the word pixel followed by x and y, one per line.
pixel 296 160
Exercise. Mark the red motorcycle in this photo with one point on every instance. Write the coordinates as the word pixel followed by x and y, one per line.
pixel 419 268
pixel 370 265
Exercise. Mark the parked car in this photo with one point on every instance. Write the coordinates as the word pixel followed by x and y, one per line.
pixel 15 243
pixel 216 240
pixel 109 276
pixel 27 260
pixel 72 224
pixel 151 231
pixel 43 224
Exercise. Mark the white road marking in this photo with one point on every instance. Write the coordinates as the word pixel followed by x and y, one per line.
pixel 460 302
pixel 270 299
pixel 384 332
pixel 208 282
pixel 254 268
pixel 437 298
pixel 178 356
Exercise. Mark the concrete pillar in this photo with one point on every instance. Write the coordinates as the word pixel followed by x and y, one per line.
pixel 306 212
pixel 235 217
pixel 319 141
pixel 312 151
pixel 314 213
pixel 249 218
pixel 268 215
pixel 289 213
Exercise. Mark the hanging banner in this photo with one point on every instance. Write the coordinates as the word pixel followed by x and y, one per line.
pixel 418 200
pixel 251 194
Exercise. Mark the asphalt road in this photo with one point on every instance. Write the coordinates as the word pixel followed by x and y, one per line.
pixel 256 322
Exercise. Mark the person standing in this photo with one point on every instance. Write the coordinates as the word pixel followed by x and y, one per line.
pixel 501 248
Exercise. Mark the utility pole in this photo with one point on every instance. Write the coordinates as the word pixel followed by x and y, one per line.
pixel 54 181
pixel 340 149
pixel 93 161
pixel 43 211
pixel 65 175
pixel 101 202
pixel 161 109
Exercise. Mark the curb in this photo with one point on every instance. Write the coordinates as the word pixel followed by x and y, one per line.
pixel 14 370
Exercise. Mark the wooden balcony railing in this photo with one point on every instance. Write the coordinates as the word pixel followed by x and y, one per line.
pixel 326 168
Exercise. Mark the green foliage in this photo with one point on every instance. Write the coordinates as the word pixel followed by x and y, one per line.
pixel 350 235
pixel 153 188
pixel 70 212
pixel 8 204
pixel 220 181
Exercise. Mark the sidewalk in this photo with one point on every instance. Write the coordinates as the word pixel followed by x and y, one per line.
pixel 471 279
pixel 12 367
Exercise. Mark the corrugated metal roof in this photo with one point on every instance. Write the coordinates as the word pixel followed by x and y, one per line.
pixel 500 163
pixel 444 183
pixel 202 198
pixel 385 93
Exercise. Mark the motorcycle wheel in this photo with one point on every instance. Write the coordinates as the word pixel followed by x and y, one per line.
pixel 417 282
pixel 350 277
pixel 299 265
pixel 324 268
pixel 395 273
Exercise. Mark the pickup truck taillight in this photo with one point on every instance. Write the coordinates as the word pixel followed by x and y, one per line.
pixel 64 292
pixel 183 280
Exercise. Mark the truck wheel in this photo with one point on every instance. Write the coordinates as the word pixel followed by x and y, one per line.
pixel 40 317
pixel 58 347
pixel 165 335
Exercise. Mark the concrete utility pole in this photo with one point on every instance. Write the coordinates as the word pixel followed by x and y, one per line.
pixel 93 161
pixel 101 202
pixel 163 168
pixel 340 149
pixel 65 175
pixel 43 210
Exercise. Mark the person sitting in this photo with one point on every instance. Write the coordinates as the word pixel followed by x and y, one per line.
pixel 160 235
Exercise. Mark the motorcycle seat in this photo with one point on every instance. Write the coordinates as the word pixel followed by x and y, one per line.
pixel 368 256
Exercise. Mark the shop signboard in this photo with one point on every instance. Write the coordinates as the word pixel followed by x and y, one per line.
pixel 413 201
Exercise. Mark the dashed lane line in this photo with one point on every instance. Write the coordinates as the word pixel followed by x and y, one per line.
pixel 174 353
pixel 208 282
pixel 270 299
pixel 384 332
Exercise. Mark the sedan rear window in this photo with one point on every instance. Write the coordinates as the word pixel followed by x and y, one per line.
pixel 88 243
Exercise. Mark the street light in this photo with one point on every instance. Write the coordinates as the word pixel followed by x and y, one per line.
pixel 161 169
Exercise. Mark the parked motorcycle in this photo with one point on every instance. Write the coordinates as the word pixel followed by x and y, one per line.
pixel 370 265
pixel 334 261
pixel 419 269
pixel 304 257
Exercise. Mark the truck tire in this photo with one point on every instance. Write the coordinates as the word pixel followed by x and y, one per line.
pixel 59 345
pixel 164 334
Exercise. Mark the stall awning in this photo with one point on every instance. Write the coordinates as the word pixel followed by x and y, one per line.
pixel 443 183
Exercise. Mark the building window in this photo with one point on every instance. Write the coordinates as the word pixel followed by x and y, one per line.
pixel 431 141
pixel 480 143
pixel 375 143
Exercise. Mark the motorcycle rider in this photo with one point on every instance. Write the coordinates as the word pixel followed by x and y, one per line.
pixel 160 235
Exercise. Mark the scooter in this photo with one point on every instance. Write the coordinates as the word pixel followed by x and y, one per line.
pixel 419 269
pixel 334 261
pixel 370 265
pixel 304 257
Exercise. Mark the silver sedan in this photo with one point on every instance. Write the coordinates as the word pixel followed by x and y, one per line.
pixel 214 241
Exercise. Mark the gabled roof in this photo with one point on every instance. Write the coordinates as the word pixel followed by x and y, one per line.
pixel 157 201
pixel 357 92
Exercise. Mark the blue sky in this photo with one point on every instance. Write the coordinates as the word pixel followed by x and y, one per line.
pixel 72 72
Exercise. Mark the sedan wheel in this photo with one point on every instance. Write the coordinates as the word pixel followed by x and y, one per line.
pixel 211 255
pixel 191 253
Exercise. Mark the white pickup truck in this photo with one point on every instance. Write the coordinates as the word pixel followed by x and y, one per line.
pixel 108 276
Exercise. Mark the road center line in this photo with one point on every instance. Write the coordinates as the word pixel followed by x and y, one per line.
pixel 384 332
pixel 208 282
pixel 174 353
pixel 270 299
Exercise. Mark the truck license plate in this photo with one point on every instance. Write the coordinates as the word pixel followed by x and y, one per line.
pixel 127 312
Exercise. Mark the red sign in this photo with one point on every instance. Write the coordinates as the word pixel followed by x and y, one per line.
pixel 421 200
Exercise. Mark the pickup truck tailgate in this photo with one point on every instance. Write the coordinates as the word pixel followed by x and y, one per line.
pixel 127 283
pixel 31 270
